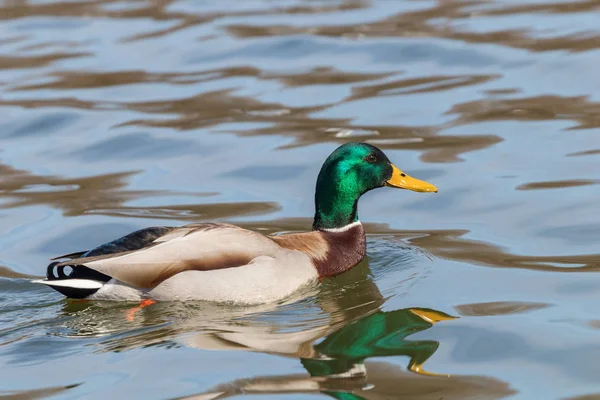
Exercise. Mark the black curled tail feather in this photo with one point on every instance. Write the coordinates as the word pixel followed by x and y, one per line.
pixel 54 273
pixel 50 271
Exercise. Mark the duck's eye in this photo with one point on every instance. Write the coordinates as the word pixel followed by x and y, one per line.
pixel 371 158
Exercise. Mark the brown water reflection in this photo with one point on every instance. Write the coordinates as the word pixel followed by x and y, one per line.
pixel 317 76
pixel 210 109
pixel 36 393
pixel 214 108
pixel 449 244
pixel 104 195
pixel 421 23
pixel 579 109
pixel 75 196
pixel 122 114
pixel 35 61
pixel 6 272
pixel 557 184
pixel 498 308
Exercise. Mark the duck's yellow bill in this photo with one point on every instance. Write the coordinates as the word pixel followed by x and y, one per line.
pixel 400 180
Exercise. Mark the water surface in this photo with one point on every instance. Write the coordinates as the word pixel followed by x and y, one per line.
pixel 117 115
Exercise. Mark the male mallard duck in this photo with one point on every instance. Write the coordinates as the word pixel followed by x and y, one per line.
pixel 225 263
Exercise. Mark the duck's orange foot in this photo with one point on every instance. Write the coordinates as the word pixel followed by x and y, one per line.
pixel 144 303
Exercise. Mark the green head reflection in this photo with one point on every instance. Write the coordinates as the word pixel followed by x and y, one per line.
pixel 380 334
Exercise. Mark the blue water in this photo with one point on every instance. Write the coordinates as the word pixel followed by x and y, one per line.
pixel 117 115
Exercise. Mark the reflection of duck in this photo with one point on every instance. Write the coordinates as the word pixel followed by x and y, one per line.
pixel 357 330
pixel 340 327
pixel 377 335
pixel 338 368
pixel 262 328
pixel 225 263
pixel 346 345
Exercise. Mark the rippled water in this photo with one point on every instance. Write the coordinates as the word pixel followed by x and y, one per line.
pixel 118 115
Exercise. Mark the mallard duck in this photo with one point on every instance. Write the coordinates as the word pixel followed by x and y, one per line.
pixel 224 263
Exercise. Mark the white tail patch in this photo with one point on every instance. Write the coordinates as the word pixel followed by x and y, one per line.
pixel 72 283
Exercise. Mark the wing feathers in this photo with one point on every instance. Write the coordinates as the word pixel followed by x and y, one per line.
pixel 200 247
pixel 77 254
pixel 85 260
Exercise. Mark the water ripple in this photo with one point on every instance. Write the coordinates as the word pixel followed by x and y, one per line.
pixel 124 114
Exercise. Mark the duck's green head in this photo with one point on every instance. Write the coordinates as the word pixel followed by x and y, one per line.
pixel 349 172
